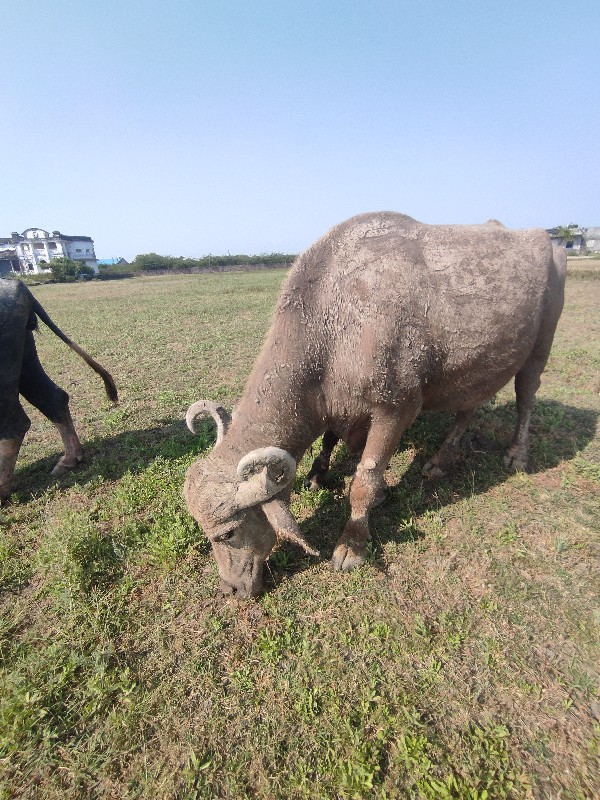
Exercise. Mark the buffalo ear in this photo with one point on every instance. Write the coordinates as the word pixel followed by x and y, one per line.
pixel 285 526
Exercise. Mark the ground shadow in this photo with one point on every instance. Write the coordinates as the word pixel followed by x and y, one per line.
pixel 110 457
pixel 558 433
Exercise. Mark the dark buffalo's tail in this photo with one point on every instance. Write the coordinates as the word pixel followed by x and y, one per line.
pixel 109 384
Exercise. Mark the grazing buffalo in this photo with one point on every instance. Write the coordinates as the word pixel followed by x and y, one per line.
pixel 22 373
pixel 382 317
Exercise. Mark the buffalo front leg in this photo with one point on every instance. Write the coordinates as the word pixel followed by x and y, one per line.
pixel 320 466
pixel 367 489
pixel 438 465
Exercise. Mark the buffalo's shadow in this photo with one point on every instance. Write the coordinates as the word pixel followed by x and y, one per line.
pixel 110 457
pixel 558 432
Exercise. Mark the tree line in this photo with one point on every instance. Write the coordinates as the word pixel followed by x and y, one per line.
pixel 66 270
pixel 152 261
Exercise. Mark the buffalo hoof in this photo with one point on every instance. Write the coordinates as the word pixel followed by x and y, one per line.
pixel 239 592
pixel 432 470
pixel 314 483
pixel 64 465
pixel 348 556
pixel 514 464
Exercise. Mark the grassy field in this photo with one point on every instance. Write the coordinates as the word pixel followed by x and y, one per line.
pixel 461 662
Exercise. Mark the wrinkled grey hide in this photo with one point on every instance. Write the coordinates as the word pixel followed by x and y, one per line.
pixel 382 317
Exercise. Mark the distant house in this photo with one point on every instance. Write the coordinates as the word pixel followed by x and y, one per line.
pixel 8 261
pixel 575 242
pixel 31 252
pixel 111 262
pixel 580 240
pixel 592 240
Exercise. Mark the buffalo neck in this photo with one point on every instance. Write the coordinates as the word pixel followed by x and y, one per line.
pixel 282 402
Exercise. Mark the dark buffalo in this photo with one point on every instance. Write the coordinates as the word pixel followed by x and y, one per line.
pixel 22 374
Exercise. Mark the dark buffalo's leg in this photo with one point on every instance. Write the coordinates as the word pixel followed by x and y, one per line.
pixel 366 490
pixel 439 464
pixel 320 466
pixel 52 401
pixel 14 422
pixel 9 451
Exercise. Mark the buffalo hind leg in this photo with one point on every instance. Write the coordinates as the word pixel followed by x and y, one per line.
pixel 368 484
pixel 73 455
pixel 53 402
pixel 527 382
pixel 439 464
pixel 527 379
pixel 320 466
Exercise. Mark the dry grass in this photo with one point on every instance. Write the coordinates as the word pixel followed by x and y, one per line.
pixel 460 662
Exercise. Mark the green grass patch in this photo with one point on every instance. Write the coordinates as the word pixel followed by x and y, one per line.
pixel 460 662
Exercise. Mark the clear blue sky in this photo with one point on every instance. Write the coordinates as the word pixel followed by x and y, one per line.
pixel 189 127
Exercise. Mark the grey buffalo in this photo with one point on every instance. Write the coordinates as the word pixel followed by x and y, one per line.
pixel 382 317
pixel 22 374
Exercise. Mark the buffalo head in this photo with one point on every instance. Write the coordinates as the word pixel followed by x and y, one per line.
pixel 242 507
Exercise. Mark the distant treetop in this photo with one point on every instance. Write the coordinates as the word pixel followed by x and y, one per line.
pixel 153 261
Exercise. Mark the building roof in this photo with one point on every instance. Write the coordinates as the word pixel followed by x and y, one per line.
pixel 72 238
pixel 17 237
pixel 111 261
pixel 572 231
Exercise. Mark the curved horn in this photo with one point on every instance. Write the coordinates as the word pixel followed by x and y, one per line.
pixel 285 526
pixel 208 408
pixel 263 473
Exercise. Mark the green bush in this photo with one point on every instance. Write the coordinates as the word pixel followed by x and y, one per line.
pixel 65 270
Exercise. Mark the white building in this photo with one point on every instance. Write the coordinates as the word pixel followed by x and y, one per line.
pixel 30 252
pixel 580 240
pixel 592 239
